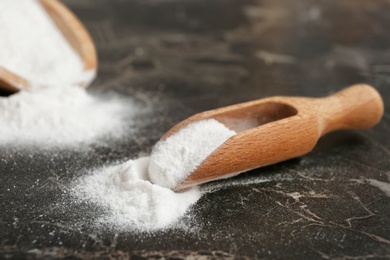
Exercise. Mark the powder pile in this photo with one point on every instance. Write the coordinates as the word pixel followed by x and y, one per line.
pixel 55 112
pixel 128 192
pixel 133 202
pixel 58 116
pixel 31 46
pixel 173 159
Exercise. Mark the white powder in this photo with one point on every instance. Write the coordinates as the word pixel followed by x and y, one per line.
pixel 126 190
pixel 173 159
pixel 133 202
pixel 53 116
pixel 55 112
pixel 31 46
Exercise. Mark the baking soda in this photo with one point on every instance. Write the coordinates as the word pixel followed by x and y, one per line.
pixel 132 201
pixel 59 116
pixel 135 194
pixel 55 112
pixel 173 159
pixel 128 190
pixel 31 46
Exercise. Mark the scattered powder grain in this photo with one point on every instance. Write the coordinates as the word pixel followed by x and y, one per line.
pixel 31 46
pixel 173 159
pixel 127 190
pixel 55 111
pixel 133 202
pixel 58 116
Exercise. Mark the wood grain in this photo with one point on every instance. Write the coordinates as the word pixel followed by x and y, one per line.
pixel 288 127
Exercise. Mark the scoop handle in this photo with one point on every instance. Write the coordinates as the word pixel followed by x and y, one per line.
pixel 357 107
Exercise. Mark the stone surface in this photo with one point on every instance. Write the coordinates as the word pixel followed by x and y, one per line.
pixel 180 57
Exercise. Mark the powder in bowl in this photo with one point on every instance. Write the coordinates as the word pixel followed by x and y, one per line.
pixel 31 46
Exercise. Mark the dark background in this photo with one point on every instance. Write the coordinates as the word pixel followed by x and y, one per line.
pixel 175 58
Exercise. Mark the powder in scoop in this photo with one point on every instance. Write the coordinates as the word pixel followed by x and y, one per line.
pixel 132 201
pixel 128 192
pixel 31 46
pixel 173 159
pixel 55 116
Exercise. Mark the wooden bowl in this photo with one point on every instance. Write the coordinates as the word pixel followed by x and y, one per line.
pixel 74 32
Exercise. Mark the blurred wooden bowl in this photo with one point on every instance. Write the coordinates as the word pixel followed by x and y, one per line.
pixel 77 36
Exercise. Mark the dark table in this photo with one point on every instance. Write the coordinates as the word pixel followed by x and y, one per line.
pixel 179 57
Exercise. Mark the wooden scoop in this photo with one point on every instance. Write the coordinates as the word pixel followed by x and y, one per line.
pixel 72 30
pixel 275 129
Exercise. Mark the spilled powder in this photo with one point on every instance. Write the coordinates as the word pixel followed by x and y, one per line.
pixel 59 116
pixel 128 192
pixel 133 202
pixel 55 111
pixel 31 46
pixel 173 159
